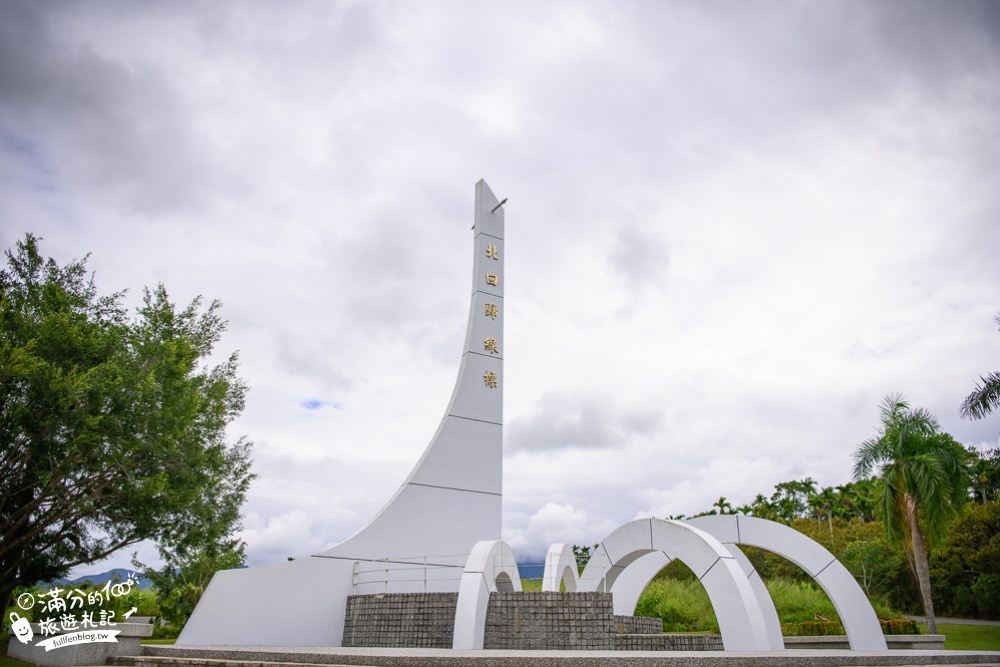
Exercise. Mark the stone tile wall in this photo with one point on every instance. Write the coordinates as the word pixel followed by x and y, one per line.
pixel 638 625
pixel 401 619
pixel 530 621
pixel 553 621
pixel 662 642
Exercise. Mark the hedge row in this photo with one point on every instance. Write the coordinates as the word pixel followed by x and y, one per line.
pixel 895 626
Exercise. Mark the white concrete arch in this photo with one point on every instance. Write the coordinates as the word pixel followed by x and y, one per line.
pixel 741 621
pixel 560 568
pixel 630 584
pixel 864 633
pixel 490 567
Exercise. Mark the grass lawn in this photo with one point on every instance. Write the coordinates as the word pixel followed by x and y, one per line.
pixel 966 637
pixel 159 642
pixel 10 662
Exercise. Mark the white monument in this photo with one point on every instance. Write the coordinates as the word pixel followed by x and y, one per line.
pixel 422 538
pixel 440 532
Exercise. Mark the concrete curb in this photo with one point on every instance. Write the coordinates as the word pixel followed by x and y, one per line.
pixel 244 656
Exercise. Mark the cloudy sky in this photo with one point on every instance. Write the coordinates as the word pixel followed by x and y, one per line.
pixel 732 228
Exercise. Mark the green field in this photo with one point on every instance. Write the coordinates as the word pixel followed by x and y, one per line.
pixel 961 637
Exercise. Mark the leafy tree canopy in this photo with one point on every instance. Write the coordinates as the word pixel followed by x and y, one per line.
pixel 985 474
pixel 967 564
pixel 113 429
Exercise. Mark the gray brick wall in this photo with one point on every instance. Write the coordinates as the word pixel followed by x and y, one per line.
pixel 540 621
pixel 664 642
pixel 554 621
pixel 638 625
pixel 401 619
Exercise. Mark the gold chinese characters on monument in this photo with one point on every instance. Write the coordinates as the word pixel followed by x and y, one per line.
pixel 490 344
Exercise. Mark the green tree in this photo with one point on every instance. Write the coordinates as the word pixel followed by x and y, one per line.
pixel 182 581
pixel 112 429
pixel 583 555
pixel 985 474
pixel 825 504
pixel 985 398
pixel 967 564
pixel 874 563
pixel 723 506
pixel 790 500
pixel 920 476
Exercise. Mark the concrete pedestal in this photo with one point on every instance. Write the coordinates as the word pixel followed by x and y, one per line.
pixel 81 652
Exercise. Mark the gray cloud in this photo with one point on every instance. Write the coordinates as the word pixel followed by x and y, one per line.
pixel 561 420
pixel 731 228
pixel 119 128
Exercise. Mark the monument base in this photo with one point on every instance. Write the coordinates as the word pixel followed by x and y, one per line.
pixel 298 603
pixel 82 652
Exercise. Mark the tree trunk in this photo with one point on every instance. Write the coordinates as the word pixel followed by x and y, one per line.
pixel 920 562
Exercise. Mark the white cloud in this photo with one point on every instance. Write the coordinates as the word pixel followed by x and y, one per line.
pixel 730 230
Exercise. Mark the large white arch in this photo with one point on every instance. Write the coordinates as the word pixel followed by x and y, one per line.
pixel 864 633
pixel 490 567
pixel 741 621
pixel 630 584
pixel 560 567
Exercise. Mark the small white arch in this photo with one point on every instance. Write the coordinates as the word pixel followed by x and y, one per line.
pixel 490 567
pixel 864 633
pixel 741 621
pixel 560 567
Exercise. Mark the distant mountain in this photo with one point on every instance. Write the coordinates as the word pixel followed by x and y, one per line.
pixel 531 570
pixel 117 574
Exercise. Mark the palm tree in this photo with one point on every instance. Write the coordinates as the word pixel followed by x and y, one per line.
pixel 845 507
pixel 725 507
pixel 985 398
pixel 816 504
pixel 762 507
pixel 920 474
pixel 828 503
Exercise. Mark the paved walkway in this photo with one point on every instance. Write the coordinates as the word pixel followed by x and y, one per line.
pixel 252 656
pixel 958 621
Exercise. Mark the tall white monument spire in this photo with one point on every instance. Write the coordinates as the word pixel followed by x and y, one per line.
pixel 422 537
pixel 452 498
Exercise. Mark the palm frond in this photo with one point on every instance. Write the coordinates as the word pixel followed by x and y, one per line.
pixel 984 399
pixel 868 455
pixel 892 406
pixel 889 505
pixel 922 421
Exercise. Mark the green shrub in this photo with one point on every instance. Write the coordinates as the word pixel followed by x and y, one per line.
pixel 800 601
pixel 166 631
pixel 899 626
pixel 812 628
pixel 682 605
